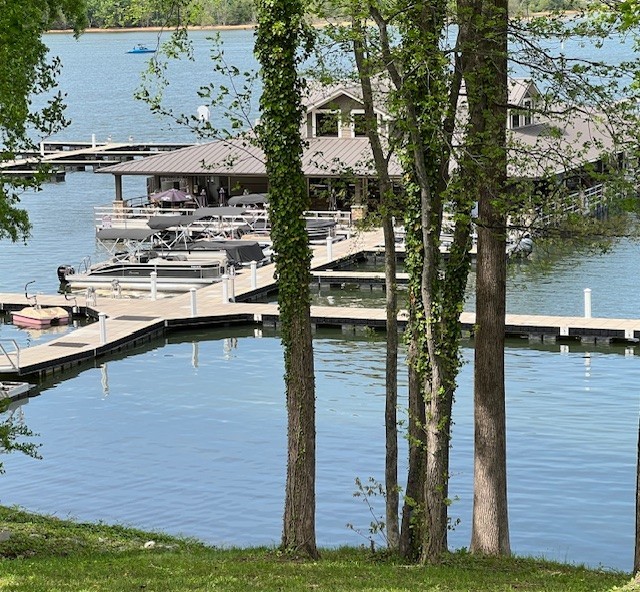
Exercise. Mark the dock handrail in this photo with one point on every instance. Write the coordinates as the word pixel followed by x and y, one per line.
pixel 340 217
pixel 85 264
pixel 32 298
pixel 13 357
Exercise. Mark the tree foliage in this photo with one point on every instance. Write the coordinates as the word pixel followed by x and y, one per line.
pixel 26 71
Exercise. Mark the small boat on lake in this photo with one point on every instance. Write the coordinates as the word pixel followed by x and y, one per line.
pixel 36 316
pixel 132 272
pixel 141 49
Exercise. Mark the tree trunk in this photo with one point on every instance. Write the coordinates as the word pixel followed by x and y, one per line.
pixel 490 529
pixel 299 510
pixel 279 42
pixel 483 25
pixel 411 534
pixel 360 49
pixel 391 390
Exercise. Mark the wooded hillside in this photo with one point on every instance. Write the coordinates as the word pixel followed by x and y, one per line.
pixel 149 13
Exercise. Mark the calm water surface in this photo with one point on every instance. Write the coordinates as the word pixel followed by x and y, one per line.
pixel 199 449
pixel 188 435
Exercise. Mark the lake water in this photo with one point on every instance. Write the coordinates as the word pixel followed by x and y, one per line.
pixel 188 434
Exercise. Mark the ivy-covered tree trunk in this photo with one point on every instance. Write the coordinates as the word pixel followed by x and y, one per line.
pixel 430 94
pixel 424 104
pixel 484 58
pixel 411 525
pixel 281 42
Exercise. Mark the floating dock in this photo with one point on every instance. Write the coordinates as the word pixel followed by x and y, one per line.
pixel 127 322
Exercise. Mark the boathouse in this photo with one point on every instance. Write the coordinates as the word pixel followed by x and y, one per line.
pixel 338 164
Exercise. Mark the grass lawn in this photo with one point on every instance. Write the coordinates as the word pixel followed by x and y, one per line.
pixel 40 553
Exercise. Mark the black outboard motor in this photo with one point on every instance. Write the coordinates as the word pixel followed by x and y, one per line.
pixel 63 272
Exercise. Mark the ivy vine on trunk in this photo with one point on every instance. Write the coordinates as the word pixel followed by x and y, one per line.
pixel 282 41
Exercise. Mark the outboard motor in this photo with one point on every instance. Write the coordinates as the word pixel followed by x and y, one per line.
pixel 63 272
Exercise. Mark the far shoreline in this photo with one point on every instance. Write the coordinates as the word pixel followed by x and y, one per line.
pixel 246 27
pixel 243 27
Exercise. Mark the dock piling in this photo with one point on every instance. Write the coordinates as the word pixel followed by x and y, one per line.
pixel 329 248
pixel 102 320
pixel 254 275
pixel 194 306
pixel 587 303
pixel 232 284
pixel 154 285
pixel 225 289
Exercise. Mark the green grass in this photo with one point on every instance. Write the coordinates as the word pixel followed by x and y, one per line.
pixel 40 553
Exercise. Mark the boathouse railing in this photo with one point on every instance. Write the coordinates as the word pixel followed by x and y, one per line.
pixel 587 201
pixel 123 215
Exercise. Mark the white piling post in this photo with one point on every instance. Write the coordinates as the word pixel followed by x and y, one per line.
pixel 102 320
pixel 41 148
pixel 154 285
pixel 232 284
pixel 329 248
pixel 254 275
pixel 194 305
pixel 225 289
pixel 587 303
pixel 93 141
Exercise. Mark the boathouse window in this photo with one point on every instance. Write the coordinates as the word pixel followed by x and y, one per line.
pixel 358 123
pixel 326 124
pixel 524 116
pixel 527 104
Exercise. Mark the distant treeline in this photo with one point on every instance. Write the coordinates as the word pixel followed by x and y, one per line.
pixel 104 14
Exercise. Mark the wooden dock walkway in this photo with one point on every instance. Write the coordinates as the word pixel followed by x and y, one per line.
pixel 60 156
pixel 127 322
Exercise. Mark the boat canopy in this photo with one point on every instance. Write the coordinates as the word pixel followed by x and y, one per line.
pixel 249 199
pixel 125 234
pixel 157 223
pixel 240 251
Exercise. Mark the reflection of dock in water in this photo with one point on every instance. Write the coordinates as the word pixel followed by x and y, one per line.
pixel 125 323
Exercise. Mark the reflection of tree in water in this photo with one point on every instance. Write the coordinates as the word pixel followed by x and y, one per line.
pixel 14 433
